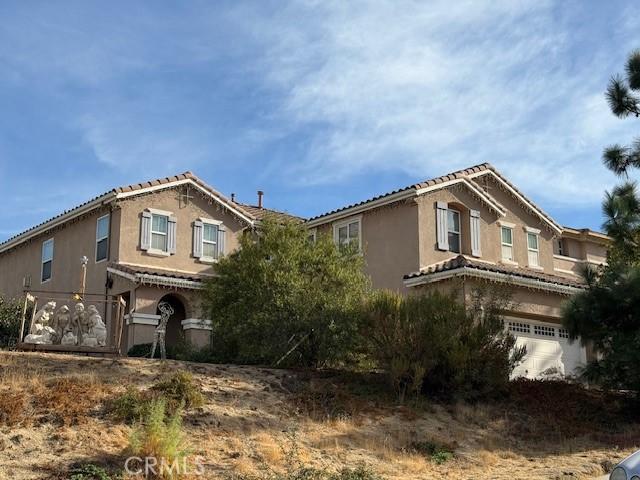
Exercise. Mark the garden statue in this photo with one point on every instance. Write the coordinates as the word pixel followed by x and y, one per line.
pixel 59 322
pixel 79 321
pixel 95 331
pixel 42 317
pixel 166 311
pixel 69 338
pixel 40 331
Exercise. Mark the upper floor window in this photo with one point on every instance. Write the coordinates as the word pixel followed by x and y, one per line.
pixel 453 230
pixel 47 260
pixel 348 232
pixel 507 243
pixel 159 230
pixel 562 248
pixel 102 238
pixel 208 239
pixel 532 249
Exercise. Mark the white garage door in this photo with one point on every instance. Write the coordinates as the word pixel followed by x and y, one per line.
pixel 548 348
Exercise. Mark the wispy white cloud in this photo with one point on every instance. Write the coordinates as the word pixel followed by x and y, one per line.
pixel 427 87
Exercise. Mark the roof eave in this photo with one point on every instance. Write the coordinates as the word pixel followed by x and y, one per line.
pixel 56 221
pixel 426 278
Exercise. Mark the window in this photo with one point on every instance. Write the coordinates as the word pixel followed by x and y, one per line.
pixel 532 249
pixel 453 230
pixel 102 238
pixel 312 236
pixel 507 243
pixel 562 249
pixel 519 327
pixel 347 233
pixel 47 260
pixel 544 331
pixel 159 227
pixel 210 241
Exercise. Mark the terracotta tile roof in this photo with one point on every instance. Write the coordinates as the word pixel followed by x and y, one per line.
pixel 427 183
pixel 463 262
pixel 262 213
pixel 113 193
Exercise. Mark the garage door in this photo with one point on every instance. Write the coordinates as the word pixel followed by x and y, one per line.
pixel 548 348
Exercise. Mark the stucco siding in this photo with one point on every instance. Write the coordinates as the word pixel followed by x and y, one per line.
pixel 169 200
pixel 71 241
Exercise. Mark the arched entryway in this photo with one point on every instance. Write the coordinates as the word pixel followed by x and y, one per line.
pixel 174 333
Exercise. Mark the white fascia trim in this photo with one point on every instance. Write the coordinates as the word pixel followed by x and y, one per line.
pixel 149 279
pixel 543 216
pixel 210 221
pixel 565 257
pixel 196 324
pixel 163 186
pixel 362 208
pixel 122 274
pixel 492 203
pixel 98 202
pixel 494 276
pixel 156 211
pixel 143 319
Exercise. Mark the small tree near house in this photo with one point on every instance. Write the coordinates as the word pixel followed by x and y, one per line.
pixel 284 298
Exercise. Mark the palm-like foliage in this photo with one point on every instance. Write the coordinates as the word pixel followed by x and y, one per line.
pixel 623 103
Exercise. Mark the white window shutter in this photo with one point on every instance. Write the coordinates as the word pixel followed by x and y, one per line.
pixel 221 239
pixel 197 239
pixel 145 231
pixel 171 234
pixel 442 231
pixel 474 219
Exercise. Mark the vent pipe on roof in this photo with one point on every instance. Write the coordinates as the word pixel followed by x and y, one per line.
pixel 233 197
pixel 260 195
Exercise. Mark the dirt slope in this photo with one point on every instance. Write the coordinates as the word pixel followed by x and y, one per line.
pixel 52 415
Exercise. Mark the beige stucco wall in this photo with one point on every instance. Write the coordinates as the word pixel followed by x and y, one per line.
pixel 168 200
pixel 389 243
pixel 71 242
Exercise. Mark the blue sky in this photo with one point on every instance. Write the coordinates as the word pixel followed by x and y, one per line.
pixel 318 103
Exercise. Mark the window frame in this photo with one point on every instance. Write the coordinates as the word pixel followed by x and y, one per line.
pixel 536 234
pixel 450 231
pixel 204 258
pixel 164 250
pixel 43 261
pixel 503 244
pixel 345 223
pixel 106 237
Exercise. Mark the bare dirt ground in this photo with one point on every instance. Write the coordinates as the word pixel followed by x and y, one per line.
pixel 52 415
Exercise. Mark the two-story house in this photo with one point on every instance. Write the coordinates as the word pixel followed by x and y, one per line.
pixel 467 228
pixel 150 242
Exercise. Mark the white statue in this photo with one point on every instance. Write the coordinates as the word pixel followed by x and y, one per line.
pixel 40 331
pixel 166 311
pixel 96 331
pixel 79 322
pixel 60 320
pixel 69 339
pixel 42 317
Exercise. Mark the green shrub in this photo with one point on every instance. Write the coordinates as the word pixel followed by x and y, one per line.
pixel 130 406
pixel 431 343
pixel 178 389
pixel 283 300
pixel 437 453
pixel 90 471
pixel 10 318
pixel 159 436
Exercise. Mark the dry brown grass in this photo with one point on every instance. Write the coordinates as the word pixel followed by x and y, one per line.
pixel 254 420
